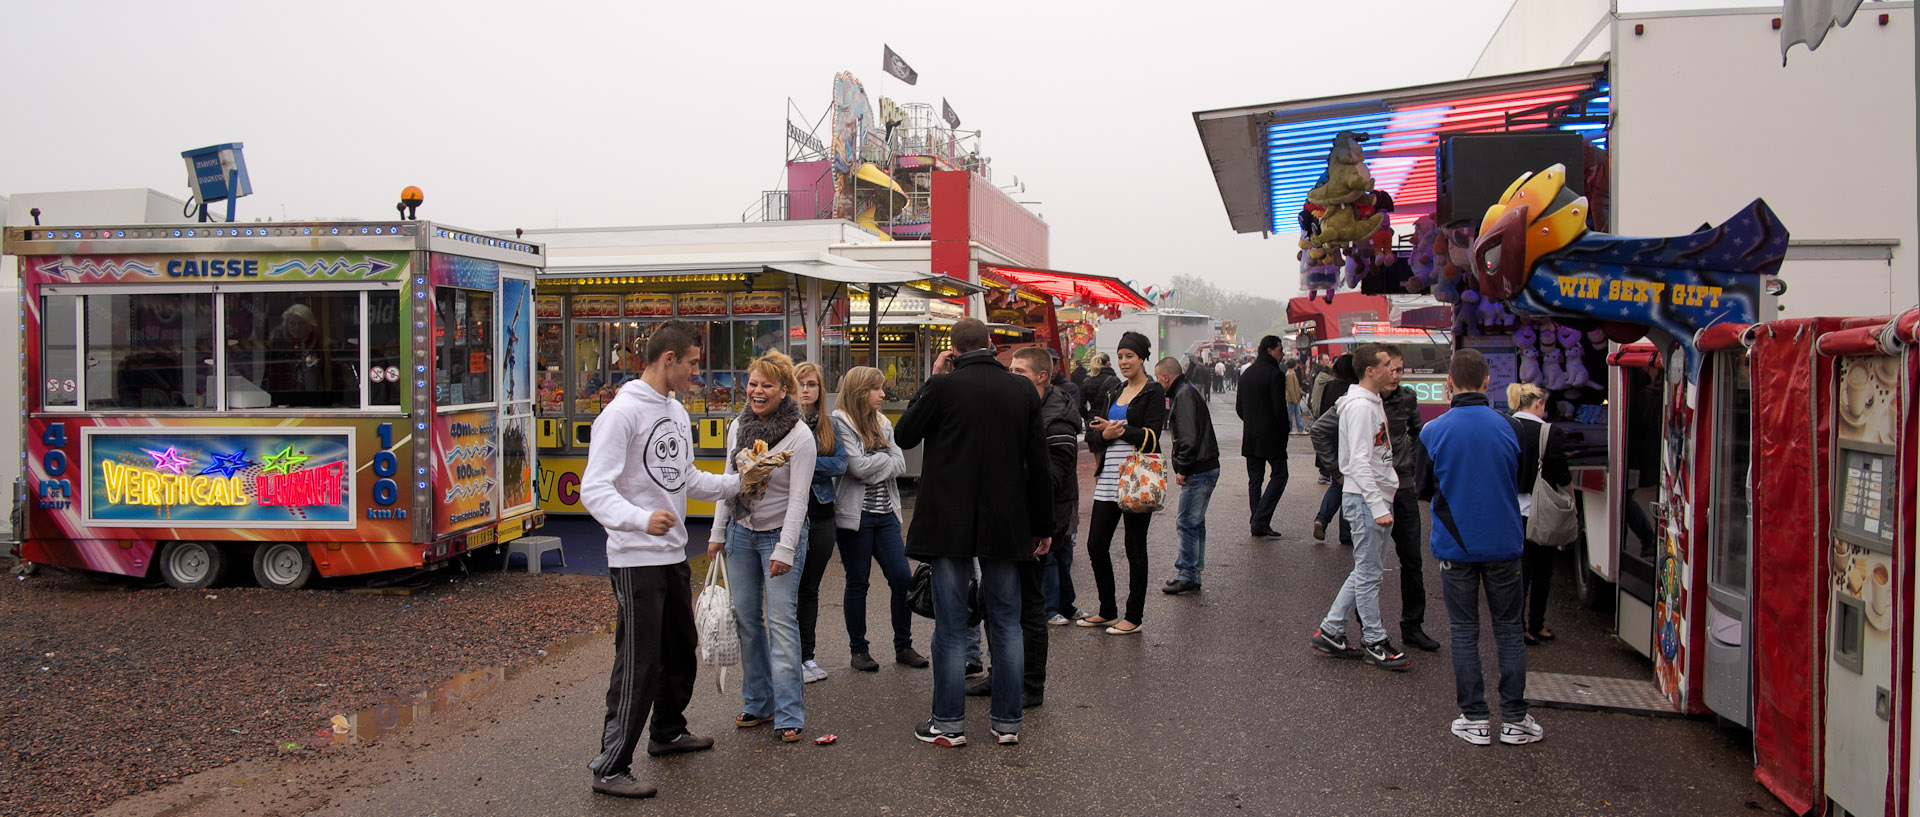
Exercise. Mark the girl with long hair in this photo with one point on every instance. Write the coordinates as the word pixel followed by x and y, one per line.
pixel 867 511
pixel 830 462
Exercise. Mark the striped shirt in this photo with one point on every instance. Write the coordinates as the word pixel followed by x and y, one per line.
pixel 1107 487
pixel 876 500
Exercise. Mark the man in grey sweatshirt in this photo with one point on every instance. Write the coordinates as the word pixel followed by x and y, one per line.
pixel 1368 483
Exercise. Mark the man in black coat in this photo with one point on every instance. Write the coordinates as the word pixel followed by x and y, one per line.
pixel 985 493
pixel 1262 406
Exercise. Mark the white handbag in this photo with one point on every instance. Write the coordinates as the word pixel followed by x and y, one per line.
pixel 713 619
pixel 1552 521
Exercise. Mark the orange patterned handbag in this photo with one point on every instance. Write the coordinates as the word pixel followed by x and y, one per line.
pixel 1143 478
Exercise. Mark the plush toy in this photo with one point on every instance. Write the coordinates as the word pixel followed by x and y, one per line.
pixel 1346 179
pixel 1597 340
pixel 1319 269
pixel 1460 248
pixel 1529 364
pixel 1488 313
pixel 1467 312
pixel 1422 261
pixel 1352 269
pixel 1569 338
pixel 1344 225
pixel 1553 371
pixel 1577 375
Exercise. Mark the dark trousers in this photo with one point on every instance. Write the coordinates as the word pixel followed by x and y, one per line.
pixel 1106 518
pixel 1265 500
pixel 820 539
pixel 653 661
pixel 1330 508
pixel 877 540
pixel 1406 543
pixel 1058 582
pixel 1033 626
pixel 1461 582
pixel 1538 563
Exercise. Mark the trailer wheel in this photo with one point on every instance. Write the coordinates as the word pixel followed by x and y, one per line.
pixel 282 566
pixel 1594 592
pixel 191 565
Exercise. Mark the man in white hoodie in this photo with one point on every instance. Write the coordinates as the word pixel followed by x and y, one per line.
pixel 639 476
pixel 1368 485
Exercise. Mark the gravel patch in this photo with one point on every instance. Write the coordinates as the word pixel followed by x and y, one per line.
pixel 112 689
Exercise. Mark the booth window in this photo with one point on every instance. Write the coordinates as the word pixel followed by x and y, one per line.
pixel 1733 452
pixel 59 351
pixel 383 347
pixel 463 353
pixel 149 351
pixel 294 349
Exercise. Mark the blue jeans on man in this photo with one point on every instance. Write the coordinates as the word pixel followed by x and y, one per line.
pixel 770 676
pixel 1000 591
pixel 1461 583
pixel 1294 416
pixel 1192 524
pixel 1330 508
pixel 1361 592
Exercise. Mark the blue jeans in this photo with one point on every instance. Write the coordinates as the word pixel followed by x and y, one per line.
pixel 877 540
pixel 770 674
pixel 1294 418
pixel 1330 507
pixel 1461 582
pixel 1000 590
pixel 1057 581
pixel 1192 524
pixel 1361 592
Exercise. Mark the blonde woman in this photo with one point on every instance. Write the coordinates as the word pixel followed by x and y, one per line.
pixel 765 542
pixel 867 511
pixel 1529 405
pixel 830 461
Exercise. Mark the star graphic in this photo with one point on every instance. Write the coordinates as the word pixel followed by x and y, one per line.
pixel 284 461
pixel 226 464
pixel 169 460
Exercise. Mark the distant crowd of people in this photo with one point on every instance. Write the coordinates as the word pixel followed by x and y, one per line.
pixel 998 511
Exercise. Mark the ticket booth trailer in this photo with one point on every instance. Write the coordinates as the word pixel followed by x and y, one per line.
pixel 310 399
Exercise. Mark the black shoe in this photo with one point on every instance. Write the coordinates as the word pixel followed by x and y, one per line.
pixel 976 670
pixel 982 688
pixel 1266 533
pixel 1334 645
pixel 907 657
pixel 623 785
pixel 1179 586
pixel 1418 637
pixel 1033 700
pixel 686 742
pixel 1383 655
pixel 864 662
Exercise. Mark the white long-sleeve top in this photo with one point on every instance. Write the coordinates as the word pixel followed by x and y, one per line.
pixel 784 505
pixel 641 461
pixel 1366 450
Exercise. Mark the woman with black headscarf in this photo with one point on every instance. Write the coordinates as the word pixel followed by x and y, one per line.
pixel 1126 410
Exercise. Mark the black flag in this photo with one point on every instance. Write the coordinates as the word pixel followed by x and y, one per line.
pixel 946 112
pixel 898 67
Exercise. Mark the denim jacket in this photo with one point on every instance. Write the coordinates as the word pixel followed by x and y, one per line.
pixel 826 469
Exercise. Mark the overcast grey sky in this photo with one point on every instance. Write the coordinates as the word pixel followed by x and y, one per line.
pixel 620 113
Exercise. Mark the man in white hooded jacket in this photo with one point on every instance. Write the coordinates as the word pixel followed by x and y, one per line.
pixel 1368 482
pixel 639 476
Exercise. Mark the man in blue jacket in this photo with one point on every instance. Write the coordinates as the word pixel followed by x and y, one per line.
pixel 1470 472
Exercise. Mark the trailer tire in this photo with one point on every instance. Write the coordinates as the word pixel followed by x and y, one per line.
pixel 1594 592
pixel 282 566
pixel 191 565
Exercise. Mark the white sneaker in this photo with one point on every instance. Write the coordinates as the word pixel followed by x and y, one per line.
pixel 1527 731
pixel 1058 620
pixel 1478 733
pixel 811 672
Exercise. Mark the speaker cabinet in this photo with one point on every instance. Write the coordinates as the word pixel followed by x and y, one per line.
pixel 1474 169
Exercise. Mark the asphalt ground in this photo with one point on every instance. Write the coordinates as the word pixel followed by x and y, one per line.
pixel 1219 707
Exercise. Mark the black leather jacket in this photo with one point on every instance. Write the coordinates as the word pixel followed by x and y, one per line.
pixel 1195 451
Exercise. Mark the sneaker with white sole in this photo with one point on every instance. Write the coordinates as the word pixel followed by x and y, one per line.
pixel 1004 738
pixel 811 672
pixel 1476 732
pixel 1059 620
pixel 1527 731
pixel 926 732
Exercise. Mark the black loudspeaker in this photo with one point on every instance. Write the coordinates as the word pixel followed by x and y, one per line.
pixel 1474 169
